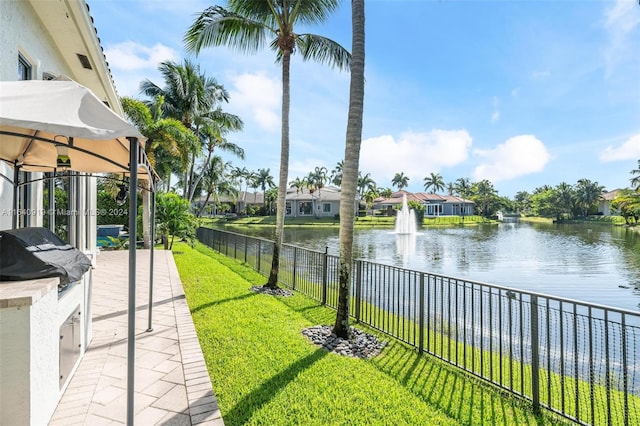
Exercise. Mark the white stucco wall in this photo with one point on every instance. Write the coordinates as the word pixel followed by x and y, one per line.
pixel 23 33
pixel 28 373
pixel 29 349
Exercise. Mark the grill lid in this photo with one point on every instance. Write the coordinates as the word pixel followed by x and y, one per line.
pixel 31 253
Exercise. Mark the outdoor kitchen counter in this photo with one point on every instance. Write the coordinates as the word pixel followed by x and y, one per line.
pixel 43 335
pixel 15 294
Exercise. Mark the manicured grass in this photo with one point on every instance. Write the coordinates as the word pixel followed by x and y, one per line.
pixel 360 222
pixel 265 372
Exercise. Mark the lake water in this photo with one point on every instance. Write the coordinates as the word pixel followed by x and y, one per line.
pixel 592 263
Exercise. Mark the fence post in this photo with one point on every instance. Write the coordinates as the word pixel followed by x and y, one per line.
pixel 535 355
pixel 324 276
pixel 358 288
pixel 295 266
pixel 259 253
pixel 421 316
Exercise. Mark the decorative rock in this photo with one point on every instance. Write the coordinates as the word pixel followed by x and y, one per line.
pixel 359 344
pixel 272 291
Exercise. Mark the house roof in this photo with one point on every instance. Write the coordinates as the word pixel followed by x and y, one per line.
pixel 71 27
pixel 327 193
pixel 248 197
pixel 609 196
pixel 420 197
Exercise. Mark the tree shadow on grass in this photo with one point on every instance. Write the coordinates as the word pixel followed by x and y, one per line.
pixel 220 302
pixel 460 396
pixel 242 412
pixel 457 394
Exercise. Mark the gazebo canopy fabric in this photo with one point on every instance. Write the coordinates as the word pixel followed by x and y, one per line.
pixel 35 113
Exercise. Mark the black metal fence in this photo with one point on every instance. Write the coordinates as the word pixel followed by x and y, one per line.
pixel 577 359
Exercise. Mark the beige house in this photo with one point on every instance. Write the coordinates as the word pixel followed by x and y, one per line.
pixel 435 204
pixel 323 202
pixel 604 205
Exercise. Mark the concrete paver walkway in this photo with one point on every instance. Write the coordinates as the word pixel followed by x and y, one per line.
pixel 172 385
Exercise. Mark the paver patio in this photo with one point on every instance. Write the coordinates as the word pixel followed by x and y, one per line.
pixel 172 385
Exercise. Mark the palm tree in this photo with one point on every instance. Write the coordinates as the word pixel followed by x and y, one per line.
pixel 336 174
pixel 264 180
pixel 635 180
pixel 588 194
pixel 365 183
pixel 434 182
pixel 298 184
pixel 462 187
pixel 213 138
pixel 216 182
pixel 191 97
pixel 317 178
pixel 245 26
pixel 385 192
pixel 400 181
pixel 240 175
pixel 565 198
pixel 484 195
pixel 166 139
pixel 351 165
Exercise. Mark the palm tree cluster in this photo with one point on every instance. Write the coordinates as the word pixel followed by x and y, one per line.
pixel 563 200
pixel 248 26
pixel 627 201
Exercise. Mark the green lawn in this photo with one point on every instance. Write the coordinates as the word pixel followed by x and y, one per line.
pixel 265 372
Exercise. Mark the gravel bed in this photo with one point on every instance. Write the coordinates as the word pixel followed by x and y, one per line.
pixel 272 291
pixel 359 344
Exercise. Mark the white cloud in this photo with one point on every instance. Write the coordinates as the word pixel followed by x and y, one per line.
pixel 258 96
pixel 520 155
pixel 495 117
pixel 629 150
pixel 621 20
pixel 414 154
pixel 132 63
pixel 541 74
pixel 132 56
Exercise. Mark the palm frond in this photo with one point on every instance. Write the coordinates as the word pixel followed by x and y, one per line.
pixel 323 50
pixel 312 12
pixel 217 26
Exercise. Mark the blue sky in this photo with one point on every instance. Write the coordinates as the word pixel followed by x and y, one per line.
pixel 523 93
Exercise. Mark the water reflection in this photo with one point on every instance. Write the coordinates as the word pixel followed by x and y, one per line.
pixel 599 264
pixel 405 247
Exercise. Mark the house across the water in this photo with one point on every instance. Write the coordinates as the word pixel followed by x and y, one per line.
pixel 435 204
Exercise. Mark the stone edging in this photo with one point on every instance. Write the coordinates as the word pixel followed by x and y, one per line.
pixel 203 406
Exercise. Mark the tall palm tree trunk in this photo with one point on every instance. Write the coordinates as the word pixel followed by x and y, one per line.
pixel 350 169
pixel 284 172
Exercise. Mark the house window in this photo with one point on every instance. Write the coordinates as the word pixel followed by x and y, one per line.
pixel 305 207
pixel 326 207
pixel 24 68
pixel 288 208
pixel 434 209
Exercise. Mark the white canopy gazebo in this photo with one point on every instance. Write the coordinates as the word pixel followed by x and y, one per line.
pixel 49 126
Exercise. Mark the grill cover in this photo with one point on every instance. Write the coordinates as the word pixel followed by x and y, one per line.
pixel 31 253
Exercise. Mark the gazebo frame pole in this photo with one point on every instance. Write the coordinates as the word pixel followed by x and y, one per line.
pixel 131 332
pixel 152 233
pixel 16 197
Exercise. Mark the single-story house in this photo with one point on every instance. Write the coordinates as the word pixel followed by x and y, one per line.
pixel 435 204
pixel 604 204
pixel 239 203
pixel 323 202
